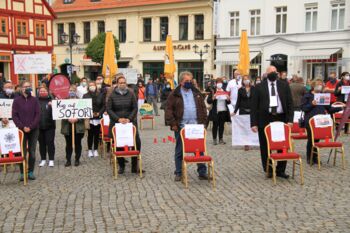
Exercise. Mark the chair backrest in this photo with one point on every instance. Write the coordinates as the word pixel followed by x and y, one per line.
pixel 321 133
pixel 104 128
pixel 125 148
pixel 193 145
pixel 297 130
pixel 279 145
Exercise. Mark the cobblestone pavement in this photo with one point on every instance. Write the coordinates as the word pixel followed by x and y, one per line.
pixel 87 199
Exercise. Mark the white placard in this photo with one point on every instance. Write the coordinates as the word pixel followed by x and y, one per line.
pixel 72 108
pixel 242 135
pixel 33 63
pixel 323 121
pixel 106 119
pixel 230 108
pixel 194 131
pixel 345 89
pixel 124 134
pixel 9 140
pixel 221 97
pixel 130 74
pixel 297 115
pixel 6 108
pixel 322 98
pixel 277 131
pixel 273 101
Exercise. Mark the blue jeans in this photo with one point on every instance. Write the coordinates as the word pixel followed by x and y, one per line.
pixel 202 168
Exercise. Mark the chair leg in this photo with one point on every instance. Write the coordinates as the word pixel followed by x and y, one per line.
pixel 115 167
pixel 293 169
pixel 274 171
pixel 267 167
pixel 319 159
pixel 213 174
pixel 335 156
pixel 209 170
pixel 24 173
pixel 153 123
pixel 312 156
pixel 185 174
pixel 301 171
pixel 343 157
pixel 140 164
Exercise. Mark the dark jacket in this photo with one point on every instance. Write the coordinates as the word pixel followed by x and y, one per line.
pixel 298 91
pixel 98 105
pixel 175 108
pixel 155 89
pixel 26 112
pixel 164 96
pixel 244 102
pixel 46 121
pixel 337 92
pixel 66 127
pixel 213 114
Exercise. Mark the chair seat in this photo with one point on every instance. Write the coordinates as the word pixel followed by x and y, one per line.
pixel 11 160
pixel 299 136
pixel 127 153
pixel 193 159
pixel 328 144
pixel 288 155
pixel 147 117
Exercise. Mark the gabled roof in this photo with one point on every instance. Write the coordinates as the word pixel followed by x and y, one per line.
pixel 84 5
pixel 49 8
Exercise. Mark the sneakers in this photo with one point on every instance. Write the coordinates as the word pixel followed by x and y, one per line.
pixel 42 163
pixel 51 163
pixel 215 142
pixel 95 153
pixel 90 154
pixel 31 176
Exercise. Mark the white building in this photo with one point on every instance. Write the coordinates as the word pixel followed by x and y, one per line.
pixel 305 37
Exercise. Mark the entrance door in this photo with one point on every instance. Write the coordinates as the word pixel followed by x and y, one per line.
pixel 280 61
pixel 153 69
pixel 2 68
pixel 196 68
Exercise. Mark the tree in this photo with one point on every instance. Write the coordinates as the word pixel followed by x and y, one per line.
pixel 96 48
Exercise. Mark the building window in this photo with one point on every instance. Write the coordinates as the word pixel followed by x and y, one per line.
pixel 60 30
pixel 183 27
pixel 87 32
pixel 338 16
pixel 3 26
pixel 255 22
pixel 68 1
pixel 100 27
pixel 199 27
pixel 147 29
pixel 122 30
pixel 281 19
pixel 71 31
pixel 311 19
pixel 164 26
pixel 22 28
pixel 234 23
pixel 40 29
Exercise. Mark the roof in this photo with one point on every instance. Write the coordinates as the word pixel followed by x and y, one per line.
pixel 85 5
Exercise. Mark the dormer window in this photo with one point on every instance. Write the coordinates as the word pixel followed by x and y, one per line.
pixel 68 1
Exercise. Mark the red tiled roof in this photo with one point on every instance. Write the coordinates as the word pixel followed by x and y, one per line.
pixel 84 5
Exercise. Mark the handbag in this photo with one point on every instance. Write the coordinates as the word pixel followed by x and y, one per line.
pixel 301 120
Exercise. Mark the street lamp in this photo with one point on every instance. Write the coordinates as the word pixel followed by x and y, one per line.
pixel 201 52
pixel 71 42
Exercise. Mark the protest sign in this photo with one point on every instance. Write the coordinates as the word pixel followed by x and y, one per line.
pixel 124 134
pixel 9 141
pixel 32 63
pixel 323 121
pixel 146 109
pixel 194 131
pixel 130 74
pixel 322 98
pixel 106 119
pixel 242 135
pixel 6 108
pixel 59 86
pixel 277 131
pixel 72 108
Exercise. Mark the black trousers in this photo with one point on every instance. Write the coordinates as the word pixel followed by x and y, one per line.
pixel 219 125
pixel 29 141
pixel 47 143
pixel 69 147
pixel 281 166
pixel 121 161
pixel 309 145
pixel 93 136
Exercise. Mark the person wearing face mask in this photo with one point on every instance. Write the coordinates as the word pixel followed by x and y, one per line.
pixel 257 81
pixel 219 113
pixel 98 108
pixel 8 93
pixel 233 86
pixel 140 91
pixel 331 85
pixel 185 105
pixel 311 109
pixel 165 94
pixel 82 89
pixel 152 95
pixel 345 81
pixel 224 83
pixel 26 116
pixel 271 101
pixel 47 128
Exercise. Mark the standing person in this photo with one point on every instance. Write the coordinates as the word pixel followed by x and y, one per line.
pixel 219 113
pixel 47 128
pixel 8 93
pixel 98 109
pixel 345 81
pixel 140 93
pixel 257 81
pixel 66 130
pixel 2 81
pixel 272 101
pixel 283 76
pixel 82 89
pixel 26 116
pixel 298 91
pixel 185 106
pixel 152 95
pixel 165 94
pixel 331 84
pixel 233 86
pixel 122 108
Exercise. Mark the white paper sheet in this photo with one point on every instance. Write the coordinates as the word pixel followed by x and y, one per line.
pixel 323 121
pixel 322 98
pixel 106 119
pixel 345 89
pixel 273 101
pixel 6 108
pixel 242 135
pixel 194 131
pixel 124 134
pixel 277 132
pixel 9 140
pixel 230 108
pixel 221 97
pixel 297 115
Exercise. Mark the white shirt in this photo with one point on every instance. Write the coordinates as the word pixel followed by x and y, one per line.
pixel 279 105
pixel 233 87
pixel 81 91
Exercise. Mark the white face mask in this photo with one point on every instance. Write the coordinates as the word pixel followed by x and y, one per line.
pixel 347 77
pixel 92 88
pixel 219 85
pixel 8 91
pixel 246 82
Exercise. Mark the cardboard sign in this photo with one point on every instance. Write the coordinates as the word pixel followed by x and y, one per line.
pixel 72 108
pixel 32 63
pixel 130 74
pixel 124 134
pixel 194 131
pixel 242 135
pixel 9 141
pixel 146 109
pixel 59 86
pixel 323 121
pixel 322 98
pixel 6 108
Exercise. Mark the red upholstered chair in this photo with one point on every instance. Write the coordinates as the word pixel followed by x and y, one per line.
pixel 326 137
pixel 105 136
pixel 16 158
pixel 287 153
pixel 298 133
pixel 125 152
pixel 337 118
pixel 192 148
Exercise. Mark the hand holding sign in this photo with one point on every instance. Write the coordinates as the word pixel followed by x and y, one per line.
pixel 72 108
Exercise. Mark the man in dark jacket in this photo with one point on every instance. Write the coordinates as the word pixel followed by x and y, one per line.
pixel 152 95
pixel 298 91
pixel 185 105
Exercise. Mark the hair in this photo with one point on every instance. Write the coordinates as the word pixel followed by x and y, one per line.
pixel 183 74
pixel 120 77
pixel 92 82
pixel 313 82
pixel 344 74
pixel 246 76
pixel 73 86
pixel 83 79
pixel 100 75
pixel 43 87
pixel 219 80
pixel 23 82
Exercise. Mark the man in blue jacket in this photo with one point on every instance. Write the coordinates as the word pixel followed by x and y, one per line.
pixel 152 95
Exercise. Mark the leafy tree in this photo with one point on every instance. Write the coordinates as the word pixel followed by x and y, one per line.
pixel 96 48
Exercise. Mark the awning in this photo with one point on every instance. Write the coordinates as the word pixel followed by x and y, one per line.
pixel 232 58
pixel 316 53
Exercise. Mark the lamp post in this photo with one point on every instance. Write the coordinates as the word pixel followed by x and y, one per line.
pixel 201 53
pixel 71 42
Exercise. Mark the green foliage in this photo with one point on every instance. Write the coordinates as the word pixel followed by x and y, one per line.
pixel 95 48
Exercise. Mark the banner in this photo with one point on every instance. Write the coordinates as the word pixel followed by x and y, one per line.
pixel 6 108
pixel 9 140
pixel 32 63
pixel 242 135
pixel 124 134
pixel 344 119
pixel 110 67
pixel 72 108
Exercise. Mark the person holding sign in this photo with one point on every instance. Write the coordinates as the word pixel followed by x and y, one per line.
pixel 342 89
pixel 73 128
pixel 185 106
pixel 331 85
pixel 8 93
pixel 272 101
pixel 26 116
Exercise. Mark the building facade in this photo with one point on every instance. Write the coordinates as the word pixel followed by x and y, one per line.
pixel 306 37
pixel 26 27
pixel 141 28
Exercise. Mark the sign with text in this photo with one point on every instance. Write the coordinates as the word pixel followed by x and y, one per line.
pixel 322 98
pixel 193 131
pixel 9 140
pixel 59 86
pixel 6 108
pixel 323 121
pixel 146 109
pixel 130 74
pixel 33 63
pixel 72 108
pixel 124 134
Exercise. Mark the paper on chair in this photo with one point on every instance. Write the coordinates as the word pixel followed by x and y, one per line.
pixel 323 121
pixel 124 134
pixel 106 119
pixel 277 131
pixel 297 115
pixel 194 131
pixel 9 140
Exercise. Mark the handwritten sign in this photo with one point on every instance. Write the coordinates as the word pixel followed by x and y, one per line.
pixel 193 131
pixel 124 134
pixel 322 98
pixel 6 108
pixel 32 63
pixel 323 121
pixel 72 108
pixel 9 140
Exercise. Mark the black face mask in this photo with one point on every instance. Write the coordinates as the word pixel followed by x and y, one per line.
pixel 272 76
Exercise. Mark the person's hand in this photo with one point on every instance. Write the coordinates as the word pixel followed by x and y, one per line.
pixel 5 121
pixel 340 88
pixel 214 97
pixel 175 128
pixel 314 103
pixel 255 129
pixel 50 103
pixel 233 114
pixel 227 97
pixel 72 120
pixel 290 124
pixel 26 129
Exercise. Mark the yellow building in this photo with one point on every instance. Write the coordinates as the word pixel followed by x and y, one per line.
pixel 141 28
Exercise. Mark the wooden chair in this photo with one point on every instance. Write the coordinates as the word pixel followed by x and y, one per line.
pixel 287 153
pixel 145 118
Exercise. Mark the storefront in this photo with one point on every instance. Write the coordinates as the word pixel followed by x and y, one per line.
pixel 196 68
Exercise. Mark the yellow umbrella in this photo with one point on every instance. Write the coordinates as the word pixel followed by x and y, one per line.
pixel 169 63
pixel 110 67
pixel 244 59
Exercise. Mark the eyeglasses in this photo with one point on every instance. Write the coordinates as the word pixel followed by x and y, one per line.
pixel 122 83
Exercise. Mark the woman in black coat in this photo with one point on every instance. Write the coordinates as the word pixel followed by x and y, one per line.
pixel 244 97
